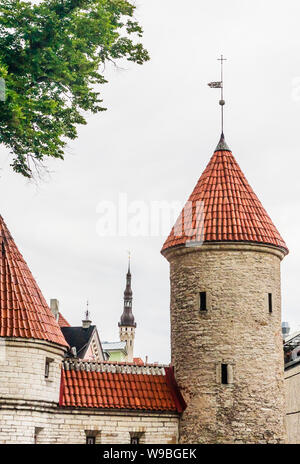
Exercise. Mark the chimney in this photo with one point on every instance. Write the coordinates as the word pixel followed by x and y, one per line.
pixel 74 351
pixel 54 306
pixel 86 322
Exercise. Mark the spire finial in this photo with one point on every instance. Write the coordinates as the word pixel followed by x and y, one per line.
pixel 222 101
pixel 129 256
pixel 87 312
pixel 86 322
pixel 219 85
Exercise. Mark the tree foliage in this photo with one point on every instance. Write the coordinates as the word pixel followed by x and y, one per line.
pixel 51 54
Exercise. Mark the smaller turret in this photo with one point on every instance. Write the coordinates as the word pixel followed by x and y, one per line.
pixel 127 323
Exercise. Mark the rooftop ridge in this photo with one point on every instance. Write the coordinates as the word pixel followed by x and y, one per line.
pixel 119 387
pixel 115 367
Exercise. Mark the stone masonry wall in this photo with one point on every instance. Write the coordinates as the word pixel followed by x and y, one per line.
pixel 238 330
pixel 20 423
pixel 292 386
pixel 22 370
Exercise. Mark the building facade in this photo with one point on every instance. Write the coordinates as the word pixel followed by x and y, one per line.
pixel 48 397
pixel 226 381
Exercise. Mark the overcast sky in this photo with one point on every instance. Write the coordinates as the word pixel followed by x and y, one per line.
pixel 152 144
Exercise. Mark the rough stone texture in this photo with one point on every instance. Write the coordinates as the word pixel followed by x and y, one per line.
pixel 238 330
pixel 20 422
pixel 292 386
pixel 22 369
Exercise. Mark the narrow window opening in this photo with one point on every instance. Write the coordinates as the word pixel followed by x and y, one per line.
pixel 224 374
pixel 270 302
pixel 47 368
pixel 37 430
pixel 90 440
pixel 203 301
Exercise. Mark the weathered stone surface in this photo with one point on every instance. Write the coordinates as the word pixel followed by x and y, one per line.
pixel 292 385
pixel 22 369
pixel 238 330
pixel 26 422
pixel 29 410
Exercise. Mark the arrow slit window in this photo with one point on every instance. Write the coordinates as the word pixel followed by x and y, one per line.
pixel 202 301
pixel 224 374
pixel 270 302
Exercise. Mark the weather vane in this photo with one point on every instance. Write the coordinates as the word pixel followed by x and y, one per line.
pixel 219 85
pixel 87 312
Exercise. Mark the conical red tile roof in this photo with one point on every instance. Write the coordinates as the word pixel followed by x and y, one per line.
pixel 223 207
pixel 23 309
pixel 62 322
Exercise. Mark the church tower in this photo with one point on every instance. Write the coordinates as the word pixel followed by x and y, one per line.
pixel 127 324
pixel 224 254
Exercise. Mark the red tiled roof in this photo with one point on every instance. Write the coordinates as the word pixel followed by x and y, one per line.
pixel 62 322
pixel 23 309
pixel 230 210
pixel 138 361
pixel 119 386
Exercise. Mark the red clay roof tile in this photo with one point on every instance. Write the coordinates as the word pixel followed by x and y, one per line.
pixel 160 395
pixel 62 322
pixel 23 309
pixel 223 207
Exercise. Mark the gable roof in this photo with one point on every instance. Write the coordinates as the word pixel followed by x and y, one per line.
pixel 231 210
pixel 79 337
pixel 120 386
pixel 23 309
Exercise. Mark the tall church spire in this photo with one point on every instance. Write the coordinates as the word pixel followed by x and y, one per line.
pixel 127 323
pixel 127 318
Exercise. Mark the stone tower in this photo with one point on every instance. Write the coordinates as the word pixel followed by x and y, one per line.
pixel 127 324
pixel 224 254
pixel 31 344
